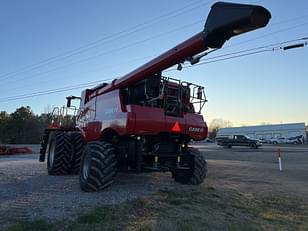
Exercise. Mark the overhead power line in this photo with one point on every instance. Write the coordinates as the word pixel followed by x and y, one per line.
pixel 148 39
pixel 290 20
pixel 270 34
pixel 107 52
pixel 266 47
pixel 109 38
pixel 124 33
pixel 55 90
pixel 252 51
pixel 272 47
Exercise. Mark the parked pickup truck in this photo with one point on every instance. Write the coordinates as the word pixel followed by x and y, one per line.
pixel 238 140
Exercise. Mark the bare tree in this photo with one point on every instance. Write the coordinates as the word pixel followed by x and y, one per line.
pixel 216 124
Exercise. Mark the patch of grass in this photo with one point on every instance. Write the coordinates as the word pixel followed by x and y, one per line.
pixel 283 211
pixel 191 208
pixel 38 225
pixel 104 214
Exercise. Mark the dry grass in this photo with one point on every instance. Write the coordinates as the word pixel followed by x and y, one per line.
pixel 191 208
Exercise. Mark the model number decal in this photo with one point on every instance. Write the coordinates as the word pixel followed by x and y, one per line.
pixel 192 129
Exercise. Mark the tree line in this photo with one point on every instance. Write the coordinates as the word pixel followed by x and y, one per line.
pixel 22 126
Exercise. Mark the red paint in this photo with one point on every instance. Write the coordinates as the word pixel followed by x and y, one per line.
pixel 102 109
pixel 188 48
pixel 106 113
pixel 9 150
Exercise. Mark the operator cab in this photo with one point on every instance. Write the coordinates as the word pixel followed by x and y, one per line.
pixel 174 96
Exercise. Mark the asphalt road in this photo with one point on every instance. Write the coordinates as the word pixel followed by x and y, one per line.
pixel 257 170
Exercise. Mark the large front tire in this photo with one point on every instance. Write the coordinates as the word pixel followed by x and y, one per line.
pixel 57 162
pixel 98 166
pixel 198 171
pixel 75 146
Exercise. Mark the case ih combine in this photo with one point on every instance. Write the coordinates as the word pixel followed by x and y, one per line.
pixel 145 121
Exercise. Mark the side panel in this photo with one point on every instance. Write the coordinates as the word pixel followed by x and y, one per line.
pixel 149 121
pixel 109 112
pixel 152 121
pixel 86 123
pixel 105 112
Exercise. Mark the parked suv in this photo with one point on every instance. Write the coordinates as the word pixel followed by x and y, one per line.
pixel 278 140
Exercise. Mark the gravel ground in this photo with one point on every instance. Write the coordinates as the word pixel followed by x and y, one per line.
pixel 27 192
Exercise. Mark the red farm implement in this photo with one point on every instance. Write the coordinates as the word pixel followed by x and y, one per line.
pixel 9 150
pixel 145 121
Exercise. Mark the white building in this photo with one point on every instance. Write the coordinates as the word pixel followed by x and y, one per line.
pixel 266 131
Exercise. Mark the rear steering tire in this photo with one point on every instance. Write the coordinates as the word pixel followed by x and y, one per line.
pixel 98 166
pixel 198 170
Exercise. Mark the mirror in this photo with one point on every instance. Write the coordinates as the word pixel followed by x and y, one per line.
pixel 68 103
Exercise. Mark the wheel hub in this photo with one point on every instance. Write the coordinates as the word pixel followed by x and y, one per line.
pixel 52 153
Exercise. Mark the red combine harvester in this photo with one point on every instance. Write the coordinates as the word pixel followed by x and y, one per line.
pixel 145 121
pixel 9 150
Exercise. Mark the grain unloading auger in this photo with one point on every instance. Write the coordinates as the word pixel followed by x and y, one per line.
pixel 144 121
pixel 225 20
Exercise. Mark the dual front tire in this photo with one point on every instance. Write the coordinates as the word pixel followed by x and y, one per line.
pixel 64 151
pixel 96 162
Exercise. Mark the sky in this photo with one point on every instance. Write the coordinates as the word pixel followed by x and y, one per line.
pixel 54 44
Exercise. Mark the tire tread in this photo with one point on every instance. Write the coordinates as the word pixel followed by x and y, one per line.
pixel 102 166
